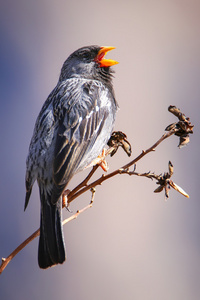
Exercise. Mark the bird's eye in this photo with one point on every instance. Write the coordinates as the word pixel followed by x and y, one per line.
pixel 86 56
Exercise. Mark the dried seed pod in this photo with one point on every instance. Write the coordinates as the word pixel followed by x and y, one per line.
pixel 181 128
pixel 178 188
pixel 171 168
pixel 167 188
pixel 126 146
pixel 176 111
pixel 159 189
pixel 184 140
pixel 118 138
pixel 170 127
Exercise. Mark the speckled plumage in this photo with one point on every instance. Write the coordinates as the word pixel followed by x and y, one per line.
pixel 71 130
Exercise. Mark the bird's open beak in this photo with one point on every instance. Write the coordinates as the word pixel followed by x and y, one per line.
pixel 102 61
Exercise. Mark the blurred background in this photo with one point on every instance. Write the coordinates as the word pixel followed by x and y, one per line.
pixel 132 244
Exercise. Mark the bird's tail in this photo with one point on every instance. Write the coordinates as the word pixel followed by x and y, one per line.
pixel 51 244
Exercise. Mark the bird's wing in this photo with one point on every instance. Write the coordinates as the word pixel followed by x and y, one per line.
pixel 85 123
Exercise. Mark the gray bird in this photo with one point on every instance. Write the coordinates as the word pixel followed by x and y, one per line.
pixel 71 130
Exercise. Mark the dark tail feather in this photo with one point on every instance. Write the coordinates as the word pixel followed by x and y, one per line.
pixel 51 244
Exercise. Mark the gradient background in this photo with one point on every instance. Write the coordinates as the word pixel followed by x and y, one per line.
pixel 131 244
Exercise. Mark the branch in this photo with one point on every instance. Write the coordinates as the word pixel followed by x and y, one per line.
pixel 85 187
pixel 164 180
pixel 182 129
pixel 5 261
pixel 82 188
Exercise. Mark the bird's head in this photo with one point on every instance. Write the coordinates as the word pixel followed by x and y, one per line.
pixel 88 62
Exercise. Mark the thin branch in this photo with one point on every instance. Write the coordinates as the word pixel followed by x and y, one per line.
pixel 150 149
pixel 85 181
pixel 5 261
pixel 82 188
pixel 104 177
pixel 75 216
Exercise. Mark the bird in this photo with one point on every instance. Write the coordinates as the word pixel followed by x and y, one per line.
pixel 71 130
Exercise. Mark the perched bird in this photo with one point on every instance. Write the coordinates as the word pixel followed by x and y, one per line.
pixel 71 130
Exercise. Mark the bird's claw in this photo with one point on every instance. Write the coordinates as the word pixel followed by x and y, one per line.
pixel 64 200
pixel 101 161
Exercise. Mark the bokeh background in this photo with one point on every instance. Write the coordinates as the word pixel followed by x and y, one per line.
pixel 132 244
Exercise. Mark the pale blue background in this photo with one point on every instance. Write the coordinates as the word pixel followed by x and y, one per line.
pixel 131 244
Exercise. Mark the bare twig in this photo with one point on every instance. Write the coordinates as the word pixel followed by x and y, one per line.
pixel 85 187
pixel 85 181
pixel 5 261
pixel 183 128
pixel 82 188
pixel 163 180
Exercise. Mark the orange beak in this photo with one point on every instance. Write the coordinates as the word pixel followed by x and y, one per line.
pixel 102 61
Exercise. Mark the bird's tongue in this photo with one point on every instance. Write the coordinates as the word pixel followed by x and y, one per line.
pixel 101 56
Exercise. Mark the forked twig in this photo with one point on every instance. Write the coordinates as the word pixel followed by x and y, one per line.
pixel 85 187
pixel 182 129
pixel 79 190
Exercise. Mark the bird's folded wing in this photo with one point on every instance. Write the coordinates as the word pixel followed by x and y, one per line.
pixel 83 120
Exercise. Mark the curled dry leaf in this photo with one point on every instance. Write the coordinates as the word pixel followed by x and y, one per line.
pixel 159 189
pixel 182 128
pixel 119 139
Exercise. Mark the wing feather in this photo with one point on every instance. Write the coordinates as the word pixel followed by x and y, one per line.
pixel 80 136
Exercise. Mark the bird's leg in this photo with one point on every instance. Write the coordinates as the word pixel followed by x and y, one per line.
pixel 64 199
pixel 101 161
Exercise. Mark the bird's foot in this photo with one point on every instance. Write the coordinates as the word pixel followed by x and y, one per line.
pixel 101 161
pixel 64 200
